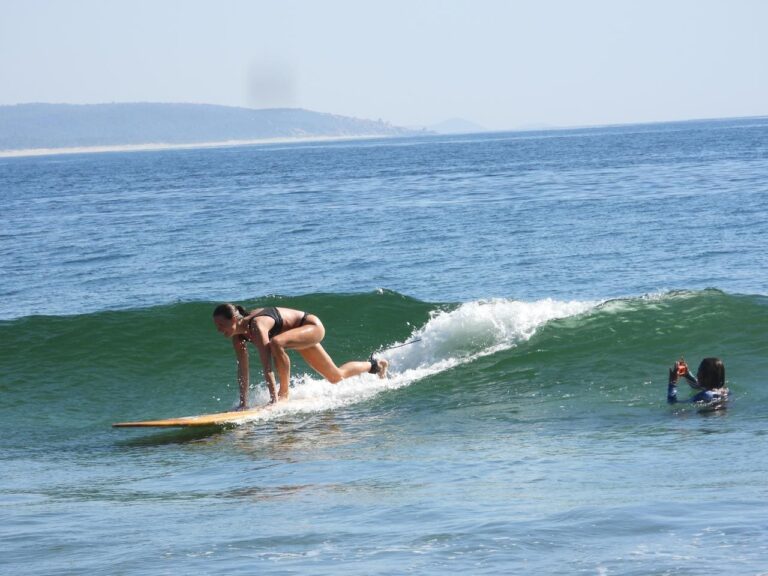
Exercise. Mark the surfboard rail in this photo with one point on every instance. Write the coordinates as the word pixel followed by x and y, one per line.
pixel 217 419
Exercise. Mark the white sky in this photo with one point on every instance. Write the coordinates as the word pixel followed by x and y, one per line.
pixel 501 64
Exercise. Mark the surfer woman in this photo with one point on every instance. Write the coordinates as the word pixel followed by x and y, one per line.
pixel 273 331
pixel 710 380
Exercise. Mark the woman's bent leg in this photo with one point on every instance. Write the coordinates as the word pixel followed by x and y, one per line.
pixel 297 338
pixel 306 341
pixel 283 365
pixel 318 358
pixel 301 337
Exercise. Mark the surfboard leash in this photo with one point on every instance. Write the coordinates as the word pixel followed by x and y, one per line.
pixel 401 345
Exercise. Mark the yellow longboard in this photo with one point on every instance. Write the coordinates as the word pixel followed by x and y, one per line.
pixel 219 419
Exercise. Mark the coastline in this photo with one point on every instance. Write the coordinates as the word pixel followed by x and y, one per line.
pixel 156 146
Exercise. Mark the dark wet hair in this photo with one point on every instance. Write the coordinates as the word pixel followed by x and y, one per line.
pixel 711 373
pixel 228 311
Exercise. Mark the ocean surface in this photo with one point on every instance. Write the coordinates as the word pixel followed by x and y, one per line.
pixel 544 282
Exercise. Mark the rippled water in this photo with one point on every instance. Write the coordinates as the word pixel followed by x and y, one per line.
pixel 551 278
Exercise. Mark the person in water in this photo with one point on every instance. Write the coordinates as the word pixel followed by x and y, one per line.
pixel 273 331
pixel 709 381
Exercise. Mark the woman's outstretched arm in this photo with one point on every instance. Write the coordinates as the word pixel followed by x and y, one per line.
pixel 243 373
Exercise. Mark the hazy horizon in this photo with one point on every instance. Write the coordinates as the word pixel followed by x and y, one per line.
pixel 500 65
pixel 522 127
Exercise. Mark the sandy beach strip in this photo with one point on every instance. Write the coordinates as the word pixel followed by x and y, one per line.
pixel 150 147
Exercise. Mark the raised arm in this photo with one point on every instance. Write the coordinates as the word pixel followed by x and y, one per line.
pixel 679 369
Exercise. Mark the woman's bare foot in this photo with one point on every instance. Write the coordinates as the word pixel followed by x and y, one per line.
pixel 383 367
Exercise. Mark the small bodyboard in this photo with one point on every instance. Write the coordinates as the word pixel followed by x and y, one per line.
pixel 219 419
pixel 704 407
pixel 719 401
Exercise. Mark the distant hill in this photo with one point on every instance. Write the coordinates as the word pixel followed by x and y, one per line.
pixel 30 126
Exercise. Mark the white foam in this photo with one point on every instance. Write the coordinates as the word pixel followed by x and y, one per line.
pixel 448 339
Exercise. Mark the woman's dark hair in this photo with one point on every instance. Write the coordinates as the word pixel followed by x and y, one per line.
pixel 711 373
pixel 228 311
